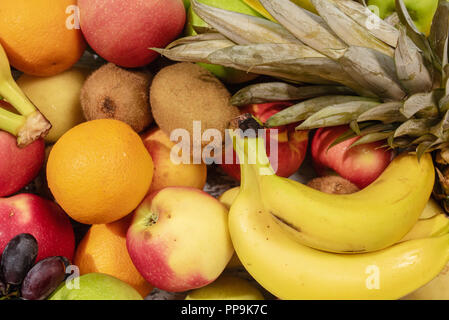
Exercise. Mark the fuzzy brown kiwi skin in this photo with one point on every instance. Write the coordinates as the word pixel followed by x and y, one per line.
pixel 185 92
pixel 333 185
pixel 112 92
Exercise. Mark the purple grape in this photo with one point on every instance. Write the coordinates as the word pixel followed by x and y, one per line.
pixel 18 258
pixel 43 278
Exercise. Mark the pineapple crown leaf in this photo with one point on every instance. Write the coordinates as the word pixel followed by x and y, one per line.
pixel 400 74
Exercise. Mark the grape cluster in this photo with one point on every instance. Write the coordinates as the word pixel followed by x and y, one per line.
pixel 21 278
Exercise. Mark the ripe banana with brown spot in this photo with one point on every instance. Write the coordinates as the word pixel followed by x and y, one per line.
pixel 369 220
pixel 290 270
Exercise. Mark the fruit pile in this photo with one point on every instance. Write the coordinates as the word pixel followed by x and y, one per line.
pixel 224 149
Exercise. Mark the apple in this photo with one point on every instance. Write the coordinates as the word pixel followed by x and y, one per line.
pixel 123 32
pixel 292 145
pixel 361 164
pixel 58 98
pixel 95 286
pixel 421 11
pixel 166 172
pixel 44 219
pixel 18 166
pixel 179 239
pixel 227 288
pixel 228 75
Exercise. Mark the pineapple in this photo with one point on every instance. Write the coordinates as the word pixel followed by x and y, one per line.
pixel 384 78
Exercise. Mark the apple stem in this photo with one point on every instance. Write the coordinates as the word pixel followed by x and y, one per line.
pixel 152 219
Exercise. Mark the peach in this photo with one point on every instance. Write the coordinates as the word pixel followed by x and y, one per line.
pixel 123 32
pixel 179 239
pixel 166 172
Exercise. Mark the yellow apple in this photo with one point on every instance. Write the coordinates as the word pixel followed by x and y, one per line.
pixel 227 288
pixel 166 172
pixel 179 239
pixel 58 98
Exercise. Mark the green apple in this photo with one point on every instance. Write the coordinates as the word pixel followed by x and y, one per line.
pixel 96 286
pixel 58 98
pixel 226 288
pixel 225 74
pixel 421 11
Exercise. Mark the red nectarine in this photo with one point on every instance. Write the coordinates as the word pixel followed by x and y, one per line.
pixel 361 164
pixel 18 166
pixel 123 32
pixel 44 219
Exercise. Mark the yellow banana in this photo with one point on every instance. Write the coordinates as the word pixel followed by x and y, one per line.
pixel 432 221
pixel 228 197
pixel 30 124
pixel 290 270
pixel 432 227
pixel 432 209
pixel 437 289
pixel 369 220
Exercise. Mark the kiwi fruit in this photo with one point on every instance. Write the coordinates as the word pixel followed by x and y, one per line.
pixel 333 185
pixel 185 92
pixel 116 93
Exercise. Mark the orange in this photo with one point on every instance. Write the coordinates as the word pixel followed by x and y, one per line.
pixel 99 171
pixel 41 37
pixel 103 250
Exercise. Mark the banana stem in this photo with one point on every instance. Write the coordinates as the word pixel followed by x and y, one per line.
pixel 11 92
pixel 253 158
pixel 11 122
pixel 31 125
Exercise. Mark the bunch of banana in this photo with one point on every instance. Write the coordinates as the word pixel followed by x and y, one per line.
pixel 275 253
pixel 341 64
pixel 30 124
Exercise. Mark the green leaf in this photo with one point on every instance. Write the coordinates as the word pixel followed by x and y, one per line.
pixel 355 127
pixel 280 91
pixel 422 148
pixel 352 33
pixel 410 66
pixel 414 128
pixel 372 137
pixel 374 71
pixel 305 27
pixel 365 128
pixel 439 32
pixel 337 115
pixel 305 109
pixel 388 112
pixel 242 28
pixel 417 36
pixel 420 102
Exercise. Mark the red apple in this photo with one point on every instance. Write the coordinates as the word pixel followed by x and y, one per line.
pixel 18 166
pixel 292 145
pixel 123 32
pixel 44 219
pixel 179 239
pixel 361 164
